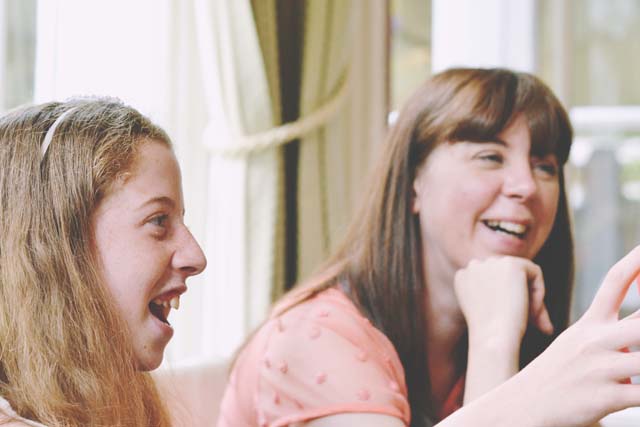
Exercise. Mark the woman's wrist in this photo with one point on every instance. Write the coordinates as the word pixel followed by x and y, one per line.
pixel 495 341
pixel 507 405
pixel 491 361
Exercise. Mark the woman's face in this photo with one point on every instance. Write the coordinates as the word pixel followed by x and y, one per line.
pixel 475 200
pixel 146 251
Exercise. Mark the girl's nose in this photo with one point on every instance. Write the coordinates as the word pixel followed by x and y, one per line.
pixel 189 257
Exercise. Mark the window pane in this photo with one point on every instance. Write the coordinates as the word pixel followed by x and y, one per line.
pixel 410 47
pixel 587 54
pixel 19 52
pixel 589 50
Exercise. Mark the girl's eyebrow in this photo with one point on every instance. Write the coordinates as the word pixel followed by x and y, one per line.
pixel 164 200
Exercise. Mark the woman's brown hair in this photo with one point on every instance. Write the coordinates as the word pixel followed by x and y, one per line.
pixel 380 260
pixel 65 354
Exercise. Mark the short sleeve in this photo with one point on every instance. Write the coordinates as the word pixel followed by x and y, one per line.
pixel 322 358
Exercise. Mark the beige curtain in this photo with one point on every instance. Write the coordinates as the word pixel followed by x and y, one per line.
pixel 296 100
pixel 243 189
pixel 186 118
pixel 340 38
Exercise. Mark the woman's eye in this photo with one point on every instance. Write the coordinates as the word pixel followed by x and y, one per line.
pixel 491 157
pixel 547 168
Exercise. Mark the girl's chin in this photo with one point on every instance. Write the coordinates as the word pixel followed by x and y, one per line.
pixel 149 362
pixel 150 346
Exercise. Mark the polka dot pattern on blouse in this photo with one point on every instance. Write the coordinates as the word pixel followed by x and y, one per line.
pixel 319 358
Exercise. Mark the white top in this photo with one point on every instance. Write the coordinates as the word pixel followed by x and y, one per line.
pixel 6 409
pixel 629 417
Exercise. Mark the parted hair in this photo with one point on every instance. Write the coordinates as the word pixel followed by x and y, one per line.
pixel 380 259
pixel 65 353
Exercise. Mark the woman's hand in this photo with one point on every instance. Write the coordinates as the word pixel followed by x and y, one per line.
pixel 582 376
pixel 499 296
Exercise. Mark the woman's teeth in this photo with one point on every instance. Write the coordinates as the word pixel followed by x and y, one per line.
pixel 509 227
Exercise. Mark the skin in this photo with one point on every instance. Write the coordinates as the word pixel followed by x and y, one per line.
pixel 497 317
pixel 145 249
pixel 463 184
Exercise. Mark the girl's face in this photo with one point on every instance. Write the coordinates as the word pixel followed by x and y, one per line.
pixel 146 251
pixel 475 199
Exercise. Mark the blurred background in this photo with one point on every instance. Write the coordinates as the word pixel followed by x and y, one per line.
pixel 277 109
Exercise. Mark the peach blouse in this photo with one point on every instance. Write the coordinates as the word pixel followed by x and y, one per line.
pixel 319 358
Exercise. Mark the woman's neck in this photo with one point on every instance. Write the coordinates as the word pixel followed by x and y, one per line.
pixel 445 321
pixel 445 328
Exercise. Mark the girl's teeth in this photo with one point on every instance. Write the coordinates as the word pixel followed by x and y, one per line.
pixel 175 302
pixel 172 303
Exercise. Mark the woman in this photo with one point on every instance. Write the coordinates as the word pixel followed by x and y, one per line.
pixel 93 256
pixel 437 294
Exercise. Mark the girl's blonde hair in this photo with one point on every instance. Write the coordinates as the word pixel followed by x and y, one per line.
pixel 65 355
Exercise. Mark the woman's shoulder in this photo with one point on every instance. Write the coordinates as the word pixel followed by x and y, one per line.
pixel 304 298
pixel 308 303
pixel 299 318
pixel 317 357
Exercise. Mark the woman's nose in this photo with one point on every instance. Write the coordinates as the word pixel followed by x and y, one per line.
pixel 520 182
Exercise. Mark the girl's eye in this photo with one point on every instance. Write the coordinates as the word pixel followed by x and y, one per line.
pixel 159 220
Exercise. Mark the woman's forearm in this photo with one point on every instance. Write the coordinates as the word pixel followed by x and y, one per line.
pixel 491 362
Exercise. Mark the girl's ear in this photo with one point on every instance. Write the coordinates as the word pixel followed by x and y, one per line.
pixel 415 199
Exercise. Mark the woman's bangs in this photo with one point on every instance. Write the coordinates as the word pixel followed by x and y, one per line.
pixel 550 130
pixel 489 114
pixel 478 128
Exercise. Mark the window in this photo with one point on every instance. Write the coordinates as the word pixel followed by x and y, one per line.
pixel 17 52
pixel 586 53
pixel 410 48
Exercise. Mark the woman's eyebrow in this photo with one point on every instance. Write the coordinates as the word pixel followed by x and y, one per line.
pixel 490 140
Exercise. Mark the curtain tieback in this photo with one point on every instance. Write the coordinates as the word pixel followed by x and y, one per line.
pixel 274 137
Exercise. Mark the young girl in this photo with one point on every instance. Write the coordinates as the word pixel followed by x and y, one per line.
pixel 94 254
pixel 456 273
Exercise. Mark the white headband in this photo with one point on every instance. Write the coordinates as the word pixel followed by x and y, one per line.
pixel 52 130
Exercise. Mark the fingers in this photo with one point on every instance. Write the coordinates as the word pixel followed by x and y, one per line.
pixel 625 396
pixel 622 334
pixel 537 308
pixel 543 321
pixel 608 299
pixel 624 365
